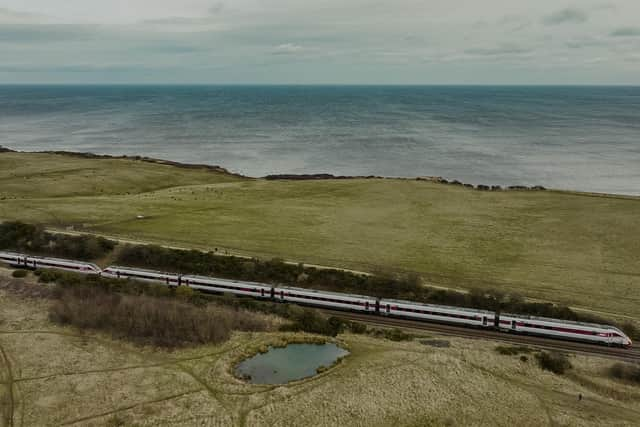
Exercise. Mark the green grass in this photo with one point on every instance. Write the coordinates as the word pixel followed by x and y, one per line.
pixel 577 249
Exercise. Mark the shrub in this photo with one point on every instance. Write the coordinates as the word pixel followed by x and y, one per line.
pixel 48 276
pixel 145 319
pixel 34 239
pixel 631 330
pixel 357 327
pixel 626 372
pixel 557 363
pixel 19 273
pixel 394 334
pixel 512 350
pixel 184 293
pixel 313 322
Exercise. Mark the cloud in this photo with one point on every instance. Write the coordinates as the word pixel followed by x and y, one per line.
pixel 585 42
pixel 626 32
pixel 288 49
pixel 80 68
pixel 46 33
pixel 569 15
pixel 503 50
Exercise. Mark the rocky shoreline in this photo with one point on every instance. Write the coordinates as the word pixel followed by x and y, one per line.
pixel 283 177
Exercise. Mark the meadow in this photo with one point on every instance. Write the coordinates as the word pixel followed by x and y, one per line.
pixel 54 375
pixel 577 249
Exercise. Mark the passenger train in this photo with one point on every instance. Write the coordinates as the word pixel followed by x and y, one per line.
pixel 512 323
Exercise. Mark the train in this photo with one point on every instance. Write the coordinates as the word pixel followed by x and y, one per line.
pixel 470 317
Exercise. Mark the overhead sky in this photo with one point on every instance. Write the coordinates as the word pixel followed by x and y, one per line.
pixel 322 41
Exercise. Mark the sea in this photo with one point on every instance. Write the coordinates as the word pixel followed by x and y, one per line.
pixel 573 138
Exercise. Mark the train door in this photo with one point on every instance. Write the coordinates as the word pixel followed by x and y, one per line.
pixel 513 325
pixel 366 305
pixel 281 295
pixel 388 308
pixel 484 320
pixel 262 292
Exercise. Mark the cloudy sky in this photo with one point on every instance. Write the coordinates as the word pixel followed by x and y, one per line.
pixel 328 41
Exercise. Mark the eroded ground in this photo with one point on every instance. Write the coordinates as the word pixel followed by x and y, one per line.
pixel 59 376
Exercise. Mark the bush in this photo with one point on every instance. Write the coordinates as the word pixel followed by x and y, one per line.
pixel 48 276
pixel 626 372
pixel 557 363
pixel 631 330
pixel 512 350
pixel 19 273
pixel 34 239
pixel 146 319
pixel 312 321
pixel 394 334
pixel 357 327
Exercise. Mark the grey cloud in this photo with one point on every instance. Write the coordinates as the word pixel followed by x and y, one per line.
pixel 45 33
pixel 503 50
pixel 82 68
pixel 569 15
pixel 626 32
pixel 288 49
pixel 584 42
pixel 216 8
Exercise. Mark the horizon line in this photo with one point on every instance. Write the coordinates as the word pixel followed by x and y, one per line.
pixel 331 84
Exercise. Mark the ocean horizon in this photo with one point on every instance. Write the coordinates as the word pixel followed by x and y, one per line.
pixel 584 138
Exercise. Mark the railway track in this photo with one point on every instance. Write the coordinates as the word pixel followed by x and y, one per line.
pixel 628 355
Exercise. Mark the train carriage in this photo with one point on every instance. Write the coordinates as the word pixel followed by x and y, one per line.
pixel 208 284
pixel 144 275
pixel 327 299
pixel 29 261
pixel 437 313
pixel 565 329
pixel 11 258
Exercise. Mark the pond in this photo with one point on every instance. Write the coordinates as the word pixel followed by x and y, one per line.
pixel 290 363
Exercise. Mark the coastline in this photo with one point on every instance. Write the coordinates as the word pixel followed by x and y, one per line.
pixel 278 177
pixel 321 176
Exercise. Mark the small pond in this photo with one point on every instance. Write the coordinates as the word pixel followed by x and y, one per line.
pixel 290 363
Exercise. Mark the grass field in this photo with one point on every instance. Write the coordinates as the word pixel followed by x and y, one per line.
pixel 50 375
pixel 578 249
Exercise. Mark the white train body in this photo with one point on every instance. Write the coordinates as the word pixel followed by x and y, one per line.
pixel 555 328
pixel 252 289
pixel 580 331
pixel 437 313
pixel 144 275
pixel 326 299
pixel 29 261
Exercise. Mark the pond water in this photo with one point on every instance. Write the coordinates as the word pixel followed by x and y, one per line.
pixel 290 363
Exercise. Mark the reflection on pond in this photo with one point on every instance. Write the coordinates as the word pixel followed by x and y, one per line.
pixel 290 363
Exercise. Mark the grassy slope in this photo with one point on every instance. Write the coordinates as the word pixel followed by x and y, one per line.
pixel 572 248
pixel 62 376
